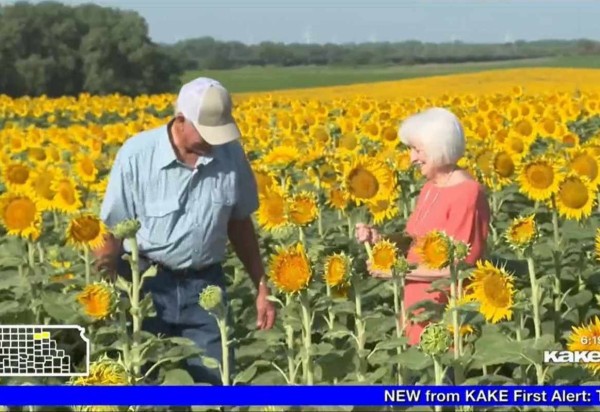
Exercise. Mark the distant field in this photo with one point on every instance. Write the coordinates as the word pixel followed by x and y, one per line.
pixel 256 79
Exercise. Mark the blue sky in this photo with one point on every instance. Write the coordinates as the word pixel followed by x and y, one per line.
pixel 340 21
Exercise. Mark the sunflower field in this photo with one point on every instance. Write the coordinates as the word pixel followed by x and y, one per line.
pixel 322 165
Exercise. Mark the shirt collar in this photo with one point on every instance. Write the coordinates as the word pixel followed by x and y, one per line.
pixel 166 154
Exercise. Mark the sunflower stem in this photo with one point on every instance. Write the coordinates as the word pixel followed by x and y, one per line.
pixel 88 265
pixel 439 377
pixel 135 305
pixel 458 372
pixel 557 254
pixel 126 345
pixel 301 235
pixel 535 301
pixel 330 313
pixel 400 316
pixel 30 254
pixel 40 250
pixel 289 332
pixel 307 337
pixel 359 325
pixel 225 373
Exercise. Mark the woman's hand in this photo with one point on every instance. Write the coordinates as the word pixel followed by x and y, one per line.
pixel 366 234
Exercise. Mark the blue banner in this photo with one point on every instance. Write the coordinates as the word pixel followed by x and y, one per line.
pixel 339 395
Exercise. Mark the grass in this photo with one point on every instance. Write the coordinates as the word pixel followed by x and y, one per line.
pixel 255 79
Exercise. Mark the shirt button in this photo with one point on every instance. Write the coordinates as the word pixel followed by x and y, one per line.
pixel 196 251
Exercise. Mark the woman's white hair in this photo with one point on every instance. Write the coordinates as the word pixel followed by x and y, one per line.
pixel 438 132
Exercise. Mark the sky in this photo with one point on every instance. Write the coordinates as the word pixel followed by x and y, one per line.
pixel 344 21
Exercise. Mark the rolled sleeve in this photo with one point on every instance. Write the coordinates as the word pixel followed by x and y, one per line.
pixel 118 204
pixel 247 200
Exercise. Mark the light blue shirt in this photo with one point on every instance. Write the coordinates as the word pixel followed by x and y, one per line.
pixel 183 211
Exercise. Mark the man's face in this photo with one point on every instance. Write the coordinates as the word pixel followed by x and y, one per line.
pixel 190 138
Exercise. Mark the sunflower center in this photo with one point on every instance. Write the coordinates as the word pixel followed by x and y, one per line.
pixel 516 145
pixel 524 128
pixel 37 154
pixel 336 271
pixel 504 165
pixel 363 183
pixel 43 186
pixel 495 291
pixel 20 214
pixel 585 165
pixel 348 141
pixel 573 193
pixel 87 166
pixel 66 192
pixel 18 174
pixel 85 229
pixel 540 176
pixel 435 252
pixel 484 161
pixel 383 258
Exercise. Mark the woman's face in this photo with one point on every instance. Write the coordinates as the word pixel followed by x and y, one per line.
pixel 418 158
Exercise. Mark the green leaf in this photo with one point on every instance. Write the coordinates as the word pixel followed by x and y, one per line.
pixel 178 377
pixel 210 362
pixel 392 343
pixel 246 375
pixel 412 359
pixel 496 349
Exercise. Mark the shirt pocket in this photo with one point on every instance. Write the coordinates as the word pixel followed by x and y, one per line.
pixel 222 203
pixel 160 221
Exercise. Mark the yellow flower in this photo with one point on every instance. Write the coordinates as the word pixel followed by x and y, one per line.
pixel 87 231
pixel 290 269
pixel 493 289
pixel 383 208
pixel 98 300
pixel 586 338
pixel 86 168
pixel 336 269
pixel 574 197
pixel 366 178
pixel 272 211
pixel 383 255
pixel 20 215
pixel 435 249
pixel 539 178
pixel 15 176
pixel 337 198
pixel 105 371
pixel 303 208
pixel 67 198
pixel 522 232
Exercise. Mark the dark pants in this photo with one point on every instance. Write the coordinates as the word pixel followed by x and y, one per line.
pixel 175 298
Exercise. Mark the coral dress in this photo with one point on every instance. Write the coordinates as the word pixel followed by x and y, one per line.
pixel 462 212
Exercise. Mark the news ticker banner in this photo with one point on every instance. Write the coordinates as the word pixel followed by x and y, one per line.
pixel 315 396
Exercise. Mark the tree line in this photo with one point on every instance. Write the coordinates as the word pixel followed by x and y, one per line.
pixel 54 49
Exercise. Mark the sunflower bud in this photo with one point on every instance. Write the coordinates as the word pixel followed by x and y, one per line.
pixel 127 229
pixel 461 250
pixel 435 339
pixel 211 298
pixel 402 265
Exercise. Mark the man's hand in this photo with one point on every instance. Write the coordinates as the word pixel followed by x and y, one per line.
pixel 265 309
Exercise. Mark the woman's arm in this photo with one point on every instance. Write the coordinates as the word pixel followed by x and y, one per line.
pixel 422 273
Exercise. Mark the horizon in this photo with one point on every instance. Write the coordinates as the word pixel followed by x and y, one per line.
pixel 379 21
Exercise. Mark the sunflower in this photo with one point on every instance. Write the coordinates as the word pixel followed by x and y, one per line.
pixel 464 329
pixel 40 185
pixel 67 198
pixel 20 215
pixel 337 198
pixel 104 371
pixel 86 168
pixel 434 249
pixel 575 197
pixel 98 300
pixel 336 269
pixel 15 176
pixel 366 178
pixel 383 208
pixel 504 168
pixel 272 211
pixel 303 208
pixel 586 338
pixel 290 269
pixel 539 178
pixel 493 289
pixel 585 163
pixel 384 255
pixel 281 156
pixel 86 231
pixel 522 232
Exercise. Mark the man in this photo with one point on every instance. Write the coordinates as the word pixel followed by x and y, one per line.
pixel 190 185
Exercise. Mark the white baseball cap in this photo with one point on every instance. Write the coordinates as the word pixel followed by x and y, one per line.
pixel 207 104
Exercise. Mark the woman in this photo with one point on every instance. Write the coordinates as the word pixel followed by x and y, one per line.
pixel 450 201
